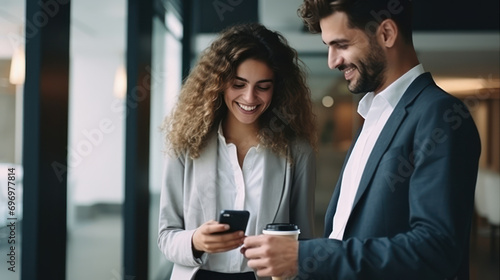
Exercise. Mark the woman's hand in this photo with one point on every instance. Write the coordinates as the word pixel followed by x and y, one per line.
pixel 209 238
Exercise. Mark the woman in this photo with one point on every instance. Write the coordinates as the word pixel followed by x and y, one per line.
pixel 242 137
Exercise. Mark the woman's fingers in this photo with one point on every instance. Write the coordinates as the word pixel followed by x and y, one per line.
pixel 210 238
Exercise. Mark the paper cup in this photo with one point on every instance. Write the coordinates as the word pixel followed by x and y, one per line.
pixel 282 229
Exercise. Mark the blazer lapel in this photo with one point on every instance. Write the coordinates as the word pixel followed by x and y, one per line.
pixel 389 130
pixel 276 170
pixel 205 170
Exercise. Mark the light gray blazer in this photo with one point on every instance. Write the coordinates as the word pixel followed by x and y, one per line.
pixel 188 199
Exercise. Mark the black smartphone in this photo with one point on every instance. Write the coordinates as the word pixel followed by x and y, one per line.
pixel 236 219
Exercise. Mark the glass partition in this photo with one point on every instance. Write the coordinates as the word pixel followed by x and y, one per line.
pixel 96 139
pixel 166 83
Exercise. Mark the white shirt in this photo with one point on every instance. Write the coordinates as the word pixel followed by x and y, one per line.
pixel 376 110
pixel 237 189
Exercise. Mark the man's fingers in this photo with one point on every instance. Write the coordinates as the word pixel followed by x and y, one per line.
pixel 254 241
pixel 271 255
pixel 261 268
pixel 243 250
pixel 253 253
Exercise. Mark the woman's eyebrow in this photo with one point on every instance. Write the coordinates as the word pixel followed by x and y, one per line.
pixel 261 81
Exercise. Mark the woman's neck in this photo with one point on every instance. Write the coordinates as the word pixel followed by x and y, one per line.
pixel 243 136
pixel 236 132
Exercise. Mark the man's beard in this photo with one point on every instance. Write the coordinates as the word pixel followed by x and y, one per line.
pixel 371 71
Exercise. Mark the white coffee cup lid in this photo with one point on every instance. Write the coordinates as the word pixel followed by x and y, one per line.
pixel 275 232
pixel 281 229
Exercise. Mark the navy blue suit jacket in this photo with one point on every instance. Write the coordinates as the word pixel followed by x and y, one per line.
pixel 412 212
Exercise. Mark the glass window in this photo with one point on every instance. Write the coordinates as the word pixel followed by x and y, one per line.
pixel 166 83
pixel 96 139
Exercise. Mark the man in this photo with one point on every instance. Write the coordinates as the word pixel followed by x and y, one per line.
pixel 403 204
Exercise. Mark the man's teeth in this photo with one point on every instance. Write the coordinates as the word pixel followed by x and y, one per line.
pixel 247 108
pixel 347 71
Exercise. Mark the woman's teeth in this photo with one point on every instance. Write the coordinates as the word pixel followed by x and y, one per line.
pixel 247 108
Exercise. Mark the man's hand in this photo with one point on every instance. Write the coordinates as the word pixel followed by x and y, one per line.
pixel 205 240
pixel 272 255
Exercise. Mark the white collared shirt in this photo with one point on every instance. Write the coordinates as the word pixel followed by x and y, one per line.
pixel 376 110
pixel 237 189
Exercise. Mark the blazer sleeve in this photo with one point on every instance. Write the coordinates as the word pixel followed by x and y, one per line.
pixel 303 188
pixel 174 240
pixel 440 201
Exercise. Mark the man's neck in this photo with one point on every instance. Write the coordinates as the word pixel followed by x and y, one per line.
pixel 398 64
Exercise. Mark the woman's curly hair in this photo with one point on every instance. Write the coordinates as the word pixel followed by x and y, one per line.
pixel 201 104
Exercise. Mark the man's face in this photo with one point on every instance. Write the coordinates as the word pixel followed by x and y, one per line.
pixel 361 59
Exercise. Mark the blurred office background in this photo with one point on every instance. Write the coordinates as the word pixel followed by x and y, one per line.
pixel 88 151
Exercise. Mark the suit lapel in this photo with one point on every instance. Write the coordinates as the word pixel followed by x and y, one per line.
pixel 389 131
pixel 205 170
pixel 379 149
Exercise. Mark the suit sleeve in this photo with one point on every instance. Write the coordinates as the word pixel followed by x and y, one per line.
pixel 303 188
pixel 174 240
pixel 440 186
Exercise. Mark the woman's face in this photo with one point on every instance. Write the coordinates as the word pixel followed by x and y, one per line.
pixel 250 93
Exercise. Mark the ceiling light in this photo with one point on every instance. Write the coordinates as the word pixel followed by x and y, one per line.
pixel 327 101
pixel 120 83
pixel 466 85
pixel 17 67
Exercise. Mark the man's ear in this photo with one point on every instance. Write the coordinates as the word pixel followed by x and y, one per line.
pixel 387 33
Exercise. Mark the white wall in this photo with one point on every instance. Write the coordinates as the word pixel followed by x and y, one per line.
pixel 96 116
pixel 280 15
pixel 96 131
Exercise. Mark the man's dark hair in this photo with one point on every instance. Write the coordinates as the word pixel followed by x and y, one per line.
pixel 362 14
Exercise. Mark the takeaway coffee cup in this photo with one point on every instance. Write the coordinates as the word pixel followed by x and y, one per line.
pixel 282 229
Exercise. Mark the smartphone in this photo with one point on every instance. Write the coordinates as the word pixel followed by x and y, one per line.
pixel 236 219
